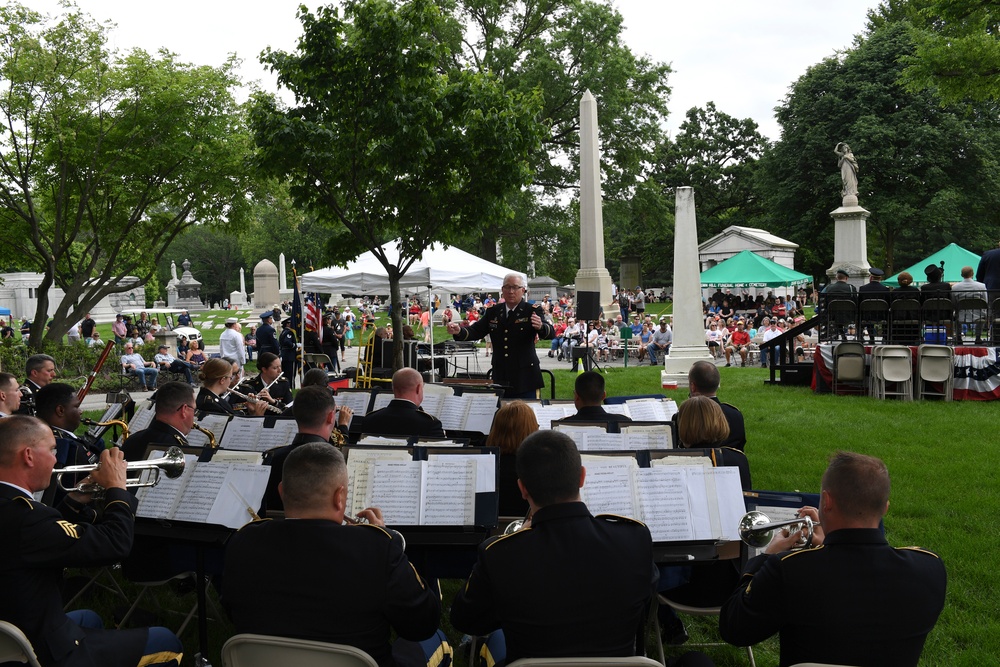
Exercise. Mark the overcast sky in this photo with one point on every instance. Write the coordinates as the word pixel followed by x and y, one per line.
pixel 741 54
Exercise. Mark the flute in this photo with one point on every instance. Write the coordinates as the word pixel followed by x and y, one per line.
pixel 253 399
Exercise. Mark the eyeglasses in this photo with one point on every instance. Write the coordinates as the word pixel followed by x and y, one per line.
pixel 181 407
pixel 511 288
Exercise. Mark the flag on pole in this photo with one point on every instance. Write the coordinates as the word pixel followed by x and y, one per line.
pixel 314 314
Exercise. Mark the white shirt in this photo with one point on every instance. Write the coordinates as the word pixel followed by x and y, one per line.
pixel 231 346
pixel 135 359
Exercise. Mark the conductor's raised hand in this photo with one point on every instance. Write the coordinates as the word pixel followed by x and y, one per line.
pixel 454 328
pixel 536 322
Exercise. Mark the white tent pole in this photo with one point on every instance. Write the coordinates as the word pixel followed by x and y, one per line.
pixel 430 324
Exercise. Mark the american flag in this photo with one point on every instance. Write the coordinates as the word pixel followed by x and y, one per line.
pixel 314 314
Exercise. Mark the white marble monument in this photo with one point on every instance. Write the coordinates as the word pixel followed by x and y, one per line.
pixel 850 236
pixel 239 298
pixel 689 325
pixel 592 276
pixel 265 284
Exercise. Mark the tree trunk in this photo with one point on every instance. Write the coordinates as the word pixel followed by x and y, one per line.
pixel 397 320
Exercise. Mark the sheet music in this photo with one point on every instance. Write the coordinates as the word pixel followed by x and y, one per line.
pixel 379 441
pixel 358 473
pixel 281 433
pixel 730 501
pixel 648 410
pixel 382 400
pixel 141 420
pixel 357 401
pixel 607 488
pixel 236 456
pixel 662 498
pixel 486 469
pixel 214 423
pixel 698 505
pixel 546 413
pixel 242 433
pixel 201 491
pixel 111 412
pixel 694 461
pixel 448 492
pixel 394 487
pixel 241 492
pixel 481 408
pixel 617 409
pixel 433 404
pixel 647 436
pixel 452 412
pixel 158 502
pixel 602 441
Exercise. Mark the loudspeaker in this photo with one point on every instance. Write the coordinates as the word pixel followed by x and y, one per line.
pixel 588 305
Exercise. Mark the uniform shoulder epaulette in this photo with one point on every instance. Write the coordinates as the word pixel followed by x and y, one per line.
pixel 378 528
pixel 729 405
pixel 815 549
pixel 501 538
pixel 255 522
pixel 918 550
pixel 617 518
pixel 30 502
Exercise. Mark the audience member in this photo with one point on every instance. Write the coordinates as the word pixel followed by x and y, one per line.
pixel 134 364
pixel 169 363
pixel 873 604
pixel 739 343
pixel 662 339
pixel 968 288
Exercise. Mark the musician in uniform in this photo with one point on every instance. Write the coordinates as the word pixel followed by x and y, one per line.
pixel 704 380
pixel 215 378
pixel 288 344
pixel 10 395
pixel 588 396
pixel 403 415
pixel 574 585
pixel 344 584
pixel 872 604
pixel 512 327
pixel 40 370
pixel 174 418
pixel 39 542
pixel 264 387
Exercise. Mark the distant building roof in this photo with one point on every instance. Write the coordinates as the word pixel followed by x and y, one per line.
pixel 759 236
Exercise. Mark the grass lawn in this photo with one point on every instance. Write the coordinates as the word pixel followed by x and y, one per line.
pixel 946 495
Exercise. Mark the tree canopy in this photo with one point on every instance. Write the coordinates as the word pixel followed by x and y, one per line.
pixel 382 142
pixel 928 172
pixel 105 158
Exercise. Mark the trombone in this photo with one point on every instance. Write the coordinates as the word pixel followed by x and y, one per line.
pixel 756 529
pixel 172 465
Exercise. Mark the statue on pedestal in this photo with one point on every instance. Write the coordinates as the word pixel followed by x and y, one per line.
pixel 848 169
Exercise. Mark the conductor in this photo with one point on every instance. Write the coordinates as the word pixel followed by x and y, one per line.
pixel 512 326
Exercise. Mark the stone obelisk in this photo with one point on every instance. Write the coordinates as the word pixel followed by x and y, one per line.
pixel 689 325
pixel 592 276
pixel 282 280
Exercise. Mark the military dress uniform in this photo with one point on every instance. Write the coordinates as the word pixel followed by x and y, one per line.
pixel 403 417
pixel 330 583
pixel 515 363
pixel 207 401
pixel 158 433
pixel 280 391
pixel 855 600
pixel 595 413
pixel 39 542
pixel 276 459
pixel 28 391
pixel 571 584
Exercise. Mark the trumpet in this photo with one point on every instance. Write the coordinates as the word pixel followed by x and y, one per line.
pixel 172 465
pixel 756 529
pixel 116 422
pixel 212 444
pixel 361 521
pixel 517 524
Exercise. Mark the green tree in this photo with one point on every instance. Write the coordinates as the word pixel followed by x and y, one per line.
pixel 215 257
pixel 928 173
pixel 956 47
pixel 384 145
pixel 562 48
pixel 717 155
pixel 105 159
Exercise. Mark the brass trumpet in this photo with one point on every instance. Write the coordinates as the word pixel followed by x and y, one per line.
pixel 212 444
pixel 517 524
pixel 172 465
pixel 111 422
pixel 757 530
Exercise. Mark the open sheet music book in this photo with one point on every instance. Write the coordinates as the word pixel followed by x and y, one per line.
pixel 639 409
pixel 676 502
pixel 472 411
pixel 357 400
pixel 593 438
pixel 254 434
pixel 141 418
pixel 216 423
pixel 207 492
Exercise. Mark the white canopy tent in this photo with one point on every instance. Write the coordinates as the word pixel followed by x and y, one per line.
pixel 439 268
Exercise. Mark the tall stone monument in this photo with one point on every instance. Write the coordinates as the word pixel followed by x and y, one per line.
pixel 265 284
pixel 592 276
pixel 239 297
pixel 850 236
pixel 188 290
pixel 689 325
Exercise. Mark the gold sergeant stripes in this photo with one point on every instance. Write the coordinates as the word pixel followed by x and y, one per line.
pixel 69 529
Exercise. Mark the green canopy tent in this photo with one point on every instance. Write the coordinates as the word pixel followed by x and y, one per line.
pixel 954 258
pixel 749 270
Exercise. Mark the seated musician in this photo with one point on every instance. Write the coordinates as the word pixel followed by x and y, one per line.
pixel 215 378
pixel 704 380
pixel 574 585
pixel 316 417
pixel 589 395
pixel 10 397
pixel 869 603
pixel 40 541
pixel 173 420
pixel 331 581
pixel 403 415
pixel 39 370
pixel 266 386
pixel 514 422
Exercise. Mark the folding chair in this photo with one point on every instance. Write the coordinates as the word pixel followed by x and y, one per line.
pixel 849 364
pixel 145 586
pixel 936 363
pixel 937 315
pixel 971 312
pixel 874 313
pixel 904 322
pixel 15 647
pixel 635 661
pixel 892 365
pixel 690 611
pixel 248 650
pixel 840 314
